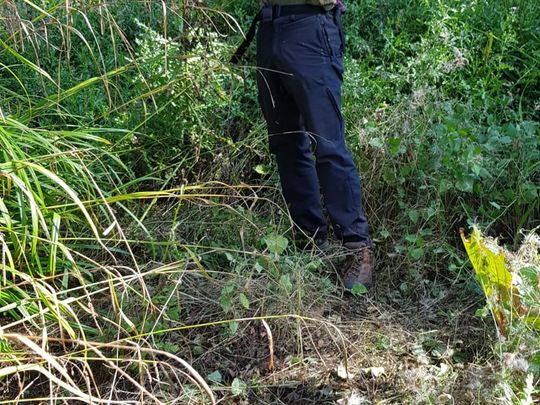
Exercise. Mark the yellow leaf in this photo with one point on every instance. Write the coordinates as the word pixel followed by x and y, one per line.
pixel 488 261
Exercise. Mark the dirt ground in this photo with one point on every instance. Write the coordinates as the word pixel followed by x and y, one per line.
pixel 356 350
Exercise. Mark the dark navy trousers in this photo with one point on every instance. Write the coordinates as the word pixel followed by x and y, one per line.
pixel 299 77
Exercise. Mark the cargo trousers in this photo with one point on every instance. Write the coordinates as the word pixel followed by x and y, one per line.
pixel 299 79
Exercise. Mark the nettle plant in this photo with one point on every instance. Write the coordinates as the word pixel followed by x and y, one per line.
pixel 496 165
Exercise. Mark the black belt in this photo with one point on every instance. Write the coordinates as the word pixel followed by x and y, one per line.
pixel 283 11
pixel 269 13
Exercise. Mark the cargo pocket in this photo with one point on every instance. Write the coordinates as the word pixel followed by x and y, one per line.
pixel 335 104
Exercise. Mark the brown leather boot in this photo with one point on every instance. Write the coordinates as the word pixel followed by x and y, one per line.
pixel 358 265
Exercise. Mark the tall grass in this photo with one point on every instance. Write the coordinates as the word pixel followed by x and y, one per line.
pixel 69 271
pixel 63 246
pixel 66 259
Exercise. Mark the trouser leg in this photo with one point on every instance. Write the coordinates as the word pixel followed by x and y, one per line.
pixel 306 96
pixel 315 85
pixel 291 146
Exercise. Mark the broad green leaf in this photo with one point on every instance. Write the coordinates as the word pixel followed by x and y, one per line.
pixel 244 300
pixel 198 350
pixel 238 387
pixel 233 328
pixel 376 143
pixel 359 289
pixel 225 303
pixel 416 253
pixel 276 243
pixel 414 215
pixel 215 376
pixel 488 260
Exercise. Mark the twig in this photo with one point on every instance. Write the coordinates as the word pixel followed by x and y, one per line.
pixel 270 345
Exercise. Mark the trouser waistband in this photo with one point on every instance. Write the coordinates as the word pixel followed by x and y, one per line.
pixel 269 13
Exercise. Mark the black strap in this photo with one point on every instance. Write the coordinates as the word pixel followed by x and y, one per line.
pixel 249 38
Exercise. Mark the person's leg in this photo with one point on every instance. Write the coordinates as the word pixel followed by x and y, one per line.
pixel 313 55
pixel 289 142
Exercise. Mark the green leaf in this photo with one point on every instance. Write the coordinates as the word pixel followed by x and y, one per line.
pixel 512 130
pixel 416 253
pixel 404 171
pixel 294 360
pixel 258 267
pixel 395 146
pixel 169 347
pixel 276 243
pixel 530 192
pixel 233 328
pixel 314 264
pixel 534 363
pixel 465 185
pixel 426 232
pixel 198 350
pixel 225 303
pixel 238 387
pixel 530 274
pixel 173 312
pixel 482 312
pixel 359 289
pixel 214 377
pixel 285 283
pixel 55 232
pixel 244 300
pixel 489 264
pixel 376 143
pixel 411 238
pixel 262 169
pixel 414 215
pixel 230 257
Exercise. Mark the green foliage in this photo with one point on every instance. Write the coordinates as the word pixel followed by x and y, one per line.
pixel 442 113
pixel 30 187
pixel 180 121
pixel 276 244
